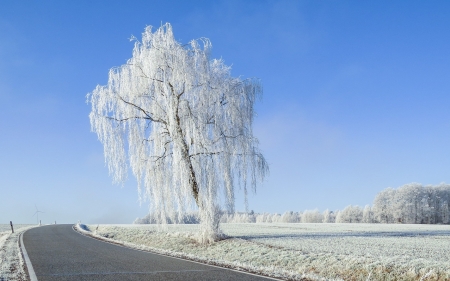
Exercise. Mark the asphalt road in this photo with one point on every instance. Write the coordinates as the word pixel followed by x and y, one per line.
pixel 57 252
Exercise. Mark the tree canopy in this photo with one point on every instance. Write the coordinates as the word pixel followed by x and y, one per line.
pixel 183 125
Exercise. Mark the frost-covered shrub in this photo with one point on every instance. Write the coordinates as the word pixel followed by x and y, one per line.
pixel 264 218
pixel 226 218
pixel 312 216
pixel 367 215
pixel 238 218
pixel 329 216
pixel 290 217
pixel 148 219
pixel 351 214
pixel 276 218
pixel 187 218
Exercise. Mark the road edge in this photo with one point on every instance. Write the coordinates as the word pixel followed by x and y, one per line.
pixel 28 264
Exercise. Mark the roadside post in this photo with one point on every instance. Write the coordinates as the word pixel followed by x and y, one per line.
pixel 12 227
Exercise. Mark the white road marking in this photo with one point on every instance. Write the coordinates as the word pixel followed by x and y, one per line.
pixel 31 272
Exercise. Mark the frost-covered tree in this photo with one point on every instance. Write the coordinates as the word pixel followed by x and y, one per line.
pixel 383 206
pixel 276 218
pixel 312 216
pixel 329 216
pixel 351 214
pixel 407 205
pixel 264 217
pixel 367 216
pixel 413 203
pixel 183 125
pixel 238 218
pixel 290 217
pixel 443 211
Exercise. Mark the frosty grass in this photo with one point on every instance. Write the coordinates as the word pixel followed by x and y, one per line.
pixel 303 251
pixel 11 263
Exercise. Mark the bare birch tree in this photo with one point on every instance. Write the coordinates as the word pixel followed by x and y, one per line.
pixel 183 125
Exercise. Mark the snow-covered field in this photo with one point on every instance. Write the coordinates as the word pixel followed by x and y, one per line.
pixel 11 262
pixel 295 251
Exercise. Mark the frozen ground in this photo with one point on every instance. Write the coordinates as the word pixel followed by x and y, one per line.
pixel 315 251
pixel 11 262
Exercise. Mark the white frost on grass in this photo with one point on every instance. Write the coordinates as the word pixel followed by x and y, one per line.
pixel 296 251
pixel 12 266
pixel 407 242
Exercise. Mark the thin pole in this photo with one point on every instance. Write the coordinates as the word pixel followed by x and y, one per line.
pixel 12 227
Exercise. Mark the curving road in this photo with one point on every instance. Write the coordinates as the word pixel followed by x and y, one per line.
pixel 57 252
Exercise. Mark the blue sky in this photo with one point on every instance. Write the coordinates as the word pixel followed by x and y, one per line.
pixel 355 98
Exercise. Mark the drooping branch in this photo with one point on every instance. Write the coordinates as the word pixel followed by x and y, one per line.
pixel 205 153
pixel 126 119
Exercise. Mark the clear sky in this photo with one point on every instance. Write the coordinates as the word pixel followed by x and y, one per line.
pixel 356 98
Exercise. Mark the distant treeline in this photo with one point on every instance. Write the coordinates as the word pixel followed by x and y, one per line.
pixel 411 203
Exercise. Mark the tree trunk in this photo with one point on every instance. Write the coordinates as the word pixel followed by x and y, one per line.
pixel 209 213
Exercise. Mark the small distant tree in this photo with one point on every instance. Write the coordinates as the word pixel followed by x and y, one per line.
pixel 184 126
pixel 290 217
pixel 276 218
pixel 312 216
pixel 383 206
pixel 264 217
pixel 328 216
pixel 351 214
pixel 367 216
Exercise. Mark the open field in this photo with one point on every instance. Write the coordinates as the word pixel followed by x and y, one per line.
pixel 296 251
pixel 365 240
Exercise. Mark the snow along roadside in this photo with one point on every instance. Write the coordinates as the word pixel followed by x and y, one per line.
pixel 12 265
pixel 274 272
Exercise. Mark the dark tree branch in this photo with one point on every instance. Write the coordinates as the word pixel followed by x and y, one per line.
pixel 164 153
pixel 149 117
pixel 205 153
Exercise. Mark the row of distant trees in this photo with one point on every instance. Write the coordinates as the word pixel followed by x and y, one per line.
pixel 412 203
pixel 351 214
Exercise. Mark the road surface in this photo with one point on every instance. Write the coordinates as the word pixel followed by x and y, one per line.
pixel 57 252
